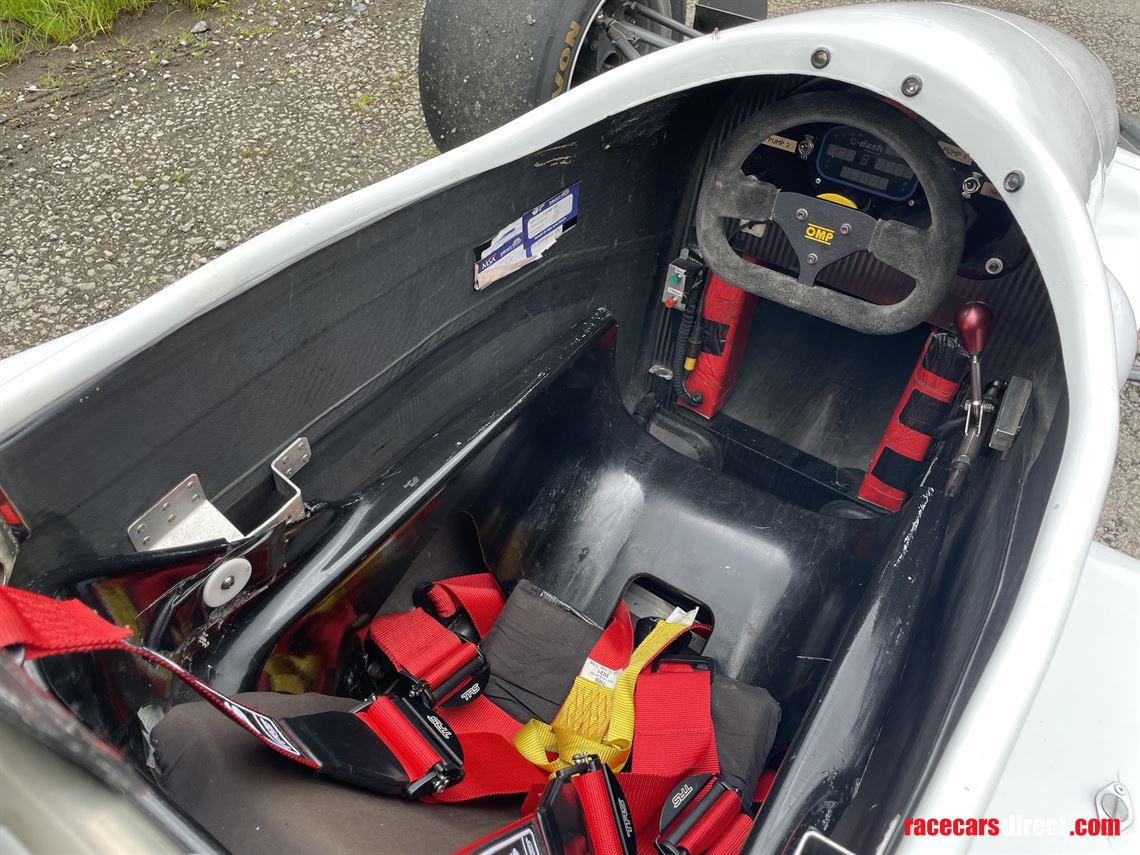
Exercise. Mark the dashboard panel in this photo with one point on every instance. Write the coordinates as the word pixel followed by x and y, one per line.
pixel 857 159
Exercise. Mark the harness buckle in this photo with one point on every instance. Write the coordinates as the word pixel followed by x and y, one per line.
pixel 561 814
pixel 558 825
pixel 689 802
pixel 351 750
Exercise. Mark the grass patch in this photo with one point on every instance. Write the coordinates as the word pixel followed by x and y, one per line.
pixel 362 103
pixel 32 24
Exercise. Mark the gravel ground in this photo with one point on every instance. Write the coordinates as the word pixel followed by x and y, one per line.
pixel 127 162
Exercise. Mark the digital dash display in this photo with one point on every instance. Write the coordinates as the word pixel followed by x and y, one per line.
pixel 858 159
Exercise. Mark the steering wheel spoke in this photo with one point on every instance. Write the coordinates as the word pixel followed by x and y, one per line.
pixel 821 232
pixel 744 197
pixel 908 249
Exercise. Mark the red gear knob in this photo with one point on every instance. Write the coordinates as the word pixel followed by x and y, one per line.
pixel 973 321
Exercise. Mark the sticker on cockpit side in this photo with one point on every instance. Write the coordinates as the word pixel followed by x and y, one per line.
pixel 524 241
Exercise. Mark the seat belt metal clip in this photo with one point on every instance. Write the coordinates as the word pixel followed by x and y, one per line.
pixel 438 778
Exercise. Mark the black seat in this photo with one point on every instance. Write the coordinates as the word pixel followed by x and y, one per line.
pixel 253 800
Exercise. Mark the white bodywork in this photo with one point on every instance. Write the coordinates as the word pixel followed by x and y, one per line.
pixel 1081 732
pixel 1016 95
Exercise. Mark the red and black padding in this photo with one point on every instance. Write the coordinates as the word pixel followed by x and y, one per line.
pixel 925 404
pixel 726 318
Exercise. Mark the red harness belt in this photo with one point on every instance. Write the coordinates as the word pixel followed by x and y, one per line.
pixel 441 740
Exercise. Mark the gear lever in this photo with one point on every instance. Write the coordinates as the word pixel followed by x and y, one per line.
pixel 973 321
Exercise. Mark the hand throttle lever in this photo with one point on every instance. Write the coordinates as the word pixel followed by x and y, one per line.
pixel 973 321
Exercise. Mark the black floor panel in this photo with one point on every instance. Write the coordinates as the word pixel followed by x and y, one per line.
pixel 821 388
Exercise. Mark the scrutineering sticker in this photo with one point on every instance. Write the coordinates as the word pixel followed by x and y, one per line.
pixel 526 239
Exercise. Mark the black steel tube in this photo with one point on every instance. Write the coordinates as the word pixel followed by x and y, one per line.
pixel 664 20
pixel 642 34
pixel 620 39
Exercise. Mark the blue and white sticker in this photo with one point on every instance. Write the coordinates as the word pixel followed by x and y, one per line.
pixel 527 238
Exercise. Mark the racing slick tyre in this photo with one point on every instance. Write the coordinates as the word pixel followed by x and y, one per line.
pixel 483 64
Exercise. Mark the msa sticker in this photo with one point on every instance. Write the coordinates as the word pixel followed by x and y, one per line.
pixel 526 239
pixel 598 673
pixel 820 234
pixel 783 143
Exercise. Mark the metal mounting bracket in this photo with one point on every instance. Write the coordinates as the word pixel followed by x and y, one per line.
pixel 184 516
pixel 1010 414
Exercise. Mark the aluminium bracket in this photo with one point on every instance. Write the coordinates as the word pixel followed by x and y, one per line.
pixel 185 516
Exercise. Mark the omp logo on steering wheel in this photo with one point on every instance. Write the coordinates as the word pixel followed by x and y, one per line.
pixel 820 234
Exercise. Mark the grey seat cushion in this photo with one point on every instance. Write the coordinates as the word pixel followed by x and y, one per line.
pixel 255 801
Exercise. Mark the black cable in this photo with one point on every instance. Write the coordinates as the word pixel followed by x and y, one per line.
pixel 690 326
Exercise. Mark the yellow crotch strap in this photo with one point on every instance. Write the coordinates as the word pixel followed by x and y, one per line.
pixel 597 715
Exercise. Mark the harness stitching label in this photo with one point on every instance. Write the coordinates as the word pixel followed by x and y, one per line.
pixel 598 673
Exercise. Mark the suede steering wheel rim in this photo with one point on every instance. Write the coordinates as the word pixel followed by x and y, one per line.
pixel 930 256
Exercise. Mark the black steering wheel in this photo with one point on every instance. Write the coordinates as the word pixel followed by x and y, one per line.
pixel 821 232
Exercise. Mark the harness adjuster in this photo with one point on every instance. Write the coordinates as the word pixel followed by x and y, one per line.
pixel 559 824
pixel 560 813
pixel 695 661
pixel 689 802
pixel 437 733
pixel 475 670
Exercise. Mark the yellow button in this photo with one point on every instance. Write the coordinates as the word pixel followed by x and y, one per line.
pixel 837 199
